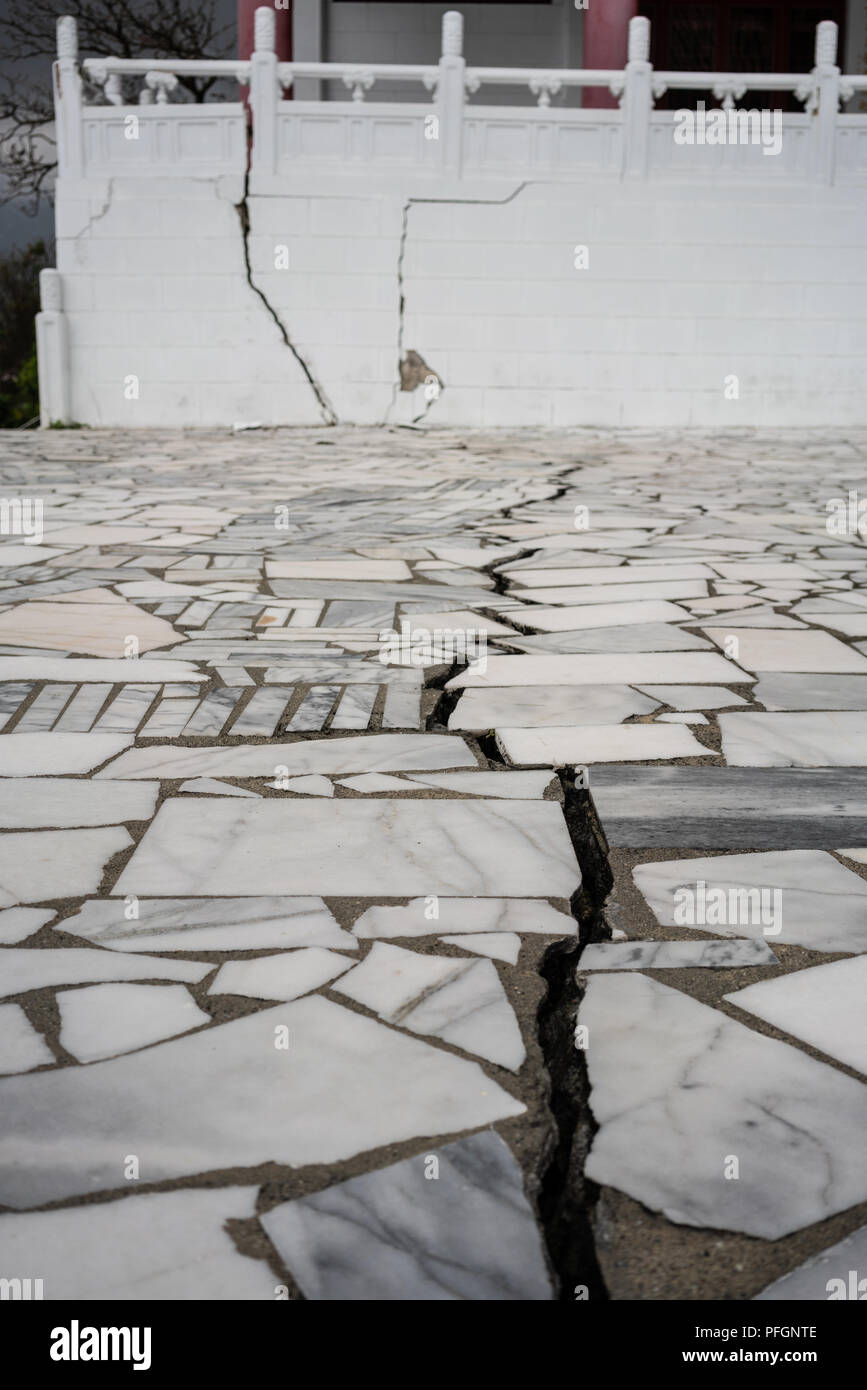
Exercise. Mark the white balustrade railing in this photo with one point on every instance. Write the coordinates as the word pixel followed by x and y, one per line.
pixel 445 130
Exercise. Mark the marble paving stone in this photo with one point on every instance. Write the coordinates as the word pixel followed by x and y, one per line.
pixel 338 568
pixel 261 714
pixel 460 1001
pixel 94 629
pixel 514 786
pixel 103 1020
pixel 858 855
pixel 21 1047
pixel 402 708
pixel 214 710
pixel 280 977
pixel 230 1097
pixel 789 651
pixel 606 574
pixel 394 1236
pixel 38 865
pixel 578 595
pixel 499 945
pixel 730 807
pixel 418 918
pixel 84 669
pixel 314 710
pixel 17 923
pixel 191 924
pixel 30 802
pixel 313 785
pixel 811 692
pixel 643 637
pixel 128 709
pixel 696 697
pixel 209 786
pixel 824 1276
pixel 826 739
pixel 80 714
pixel 44 710
pixel 353 847
pixel 639 668
pixel 822 904
pixel 542 706
pixel 384 753
pixel 597 615
pixel 22 969
pixel 169 719
pixel 373 783
pixel 677 1086
pixel 681 717
pixel 355 708
pixel 154 1246
pixel 675 955
pixel 823 1007
pixel 597 743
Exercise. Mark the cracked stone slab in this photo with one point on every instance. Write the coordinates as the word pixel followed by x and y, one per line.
pixel 350 847
pixel 819 903
pixel 233 1097
pixel 823 1006
pixel 102 1020
pixel 460 1230
pixel 382 753
pixel 460 1001
pixel 675 955
pixel 197 924
pixel 827 1276
pixel 148 1246
pixel 678 1090
pixel 428 916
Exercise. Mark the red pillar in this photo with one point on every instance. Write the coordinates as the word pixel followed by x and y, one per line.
pixel 283 26
pixel 606 32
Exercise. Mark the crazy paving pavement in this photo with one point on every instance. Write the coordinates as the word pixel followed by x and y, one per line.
pixel 433 865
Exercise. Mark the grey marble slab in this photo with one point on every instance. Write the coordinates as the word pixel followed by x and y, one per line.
pixel 730 808
pixel 355 708
pixel 45 709
pixel 214 710
pixel 792 691
pixel 450 1224
pixel 262 713
pixel 80 714
pixel 675 955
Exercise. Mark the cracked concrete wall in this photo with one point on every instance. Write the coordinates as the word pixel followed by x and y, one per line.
pixel 691 304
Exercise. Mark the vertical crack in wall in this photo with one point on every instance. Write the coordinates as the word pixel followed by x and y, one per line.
pixel 401 290
pixel 329 414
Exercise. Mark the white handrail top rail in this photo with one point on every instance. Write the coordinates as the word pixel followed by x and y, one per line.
pixel 192 67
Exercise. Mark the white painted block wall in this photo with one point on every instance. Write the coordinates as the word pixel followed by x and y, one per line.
pixel 689 283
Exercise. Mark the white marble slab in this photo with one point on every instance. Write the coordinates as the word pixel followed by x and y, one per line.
pixel 427 916
pixel 675 955
pixel 237 1096
pixel 354 847
pixel 604 574
pixel 94 629
pixel 823 1006
pixel 38 865
pixel 513 786
pixel 280 977
pixel 82 669
pixel 376 753
pixel 597 743
pixel 540 706
pixel 21 1049
pixel 395 1235
pixel 103 1020
pixel 499 945
pixel 767 650
pixel 460 1001
pixel 835 738
pixel 695 697
pixel 678 1089
pixel 821 904
pixel 153 1246
pixel 209 786
pixel 636 668
pixel 40 754
pixel 827 1276
pixel 681 717
pixel 17 923
pixel 22 969
pixel 338 568
pixel 314 785
pixel 216 924
pixel 576 595
pixel 804 692
pixel 30 802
